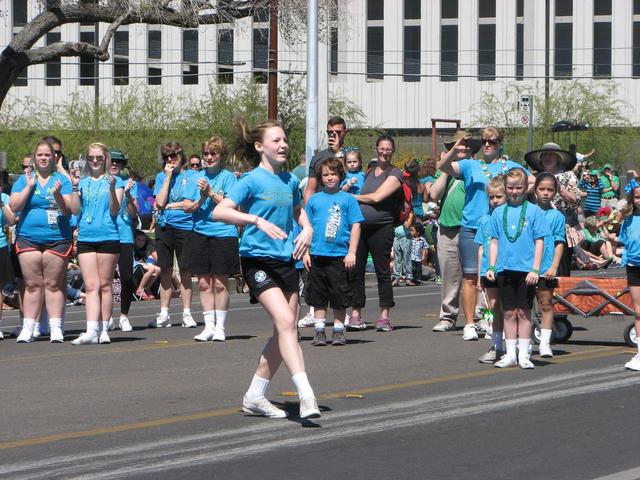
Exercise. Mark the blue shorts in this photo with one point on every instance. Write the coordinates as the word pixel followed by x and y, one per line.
pixel 468 250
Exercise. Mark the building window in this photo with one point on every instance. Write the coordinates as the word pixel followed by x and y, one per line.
pixel 154 46
pixel 602 49
pixel 449 9
pixel 519 8
pixel 487 51
pixel 375 39
pixel 519 51
pixel 190 57
pixel 564 8
pixel 375 10
pixel 154 76
pixel 636 7
pixel 411 41
pixel 88 65
pixel 333 60
pixel 563 62
pixel 636 50
pixel 19 13
pixel 260 54
pixel 412 10
pixel 487 8
pixel 121 57
pixel 601 7
pixel 53 69
pixel 449 53
pixel 225 56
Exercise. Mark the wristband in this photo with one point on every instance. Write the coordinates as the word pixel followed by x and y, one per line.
pixel 74 189
pixel 492 268
pixel 536 271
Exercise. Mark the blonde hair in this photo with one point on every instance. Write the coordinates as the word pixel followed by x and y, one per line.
pixel 492 131
pixel 216 145
pixel 516 173
pixel 107 159
pixel 495 183
pixel 52 162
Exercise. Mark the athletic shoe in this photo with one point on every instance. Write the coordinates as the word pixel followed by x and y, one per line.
pixel 160 322
pixel 545 351
pixel 1 336
pixel 86 338
pixel 188 321
pixel 56 335
pixel 112 325
pixel 482 326
pixel 262 408
pixel 356 323
pixel 634 363
pixel 25 336
pixel 347 318
pixel 395 283
pixel 307 321
pixel 438 280
pixel 506 362
pixel 525 362
pixel 469 333
pixel 104 338
pixel 125 324
pixel 309 408
pixel 205 336
pixel 383 325
pixel 218 334
pixel 490 357
pixel 338 338
pixel 443 326
pixel 36 331
pixel 320 339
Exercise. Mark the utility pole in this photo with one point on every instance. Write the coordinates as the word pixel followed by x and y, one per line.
pixel 272 86
pixel 312 80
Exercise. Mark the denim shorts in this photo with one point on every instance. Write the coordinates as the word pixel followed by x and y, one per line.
pixel 468 250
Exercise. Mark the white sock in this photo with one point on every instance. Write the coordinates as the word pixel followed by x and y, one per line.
pixel 186 311
pixel 338 326
pixel 311 311
pixel 302 385
pixel 55 323
pixel 496 336
pixel 28 323
pixel 123 316
pixel 164 311
pixel 209 319
pixel 105 326
pixel 523 347
pixel 93 327
pixel 221 317
pixel 319 325
pixel 258 388
pixel 511 347
pixel 545 335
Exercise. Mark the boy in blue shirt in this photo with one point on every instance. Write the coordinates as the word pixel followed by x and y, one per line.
pixel 335 216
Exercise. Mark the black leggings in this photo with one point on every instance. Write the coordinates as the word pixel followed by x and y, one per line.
pixel 377 239
pixel 125 266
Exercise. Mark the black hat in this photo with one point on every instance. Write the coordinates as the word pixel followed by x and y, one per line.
pixel 117 154
pixel 534 157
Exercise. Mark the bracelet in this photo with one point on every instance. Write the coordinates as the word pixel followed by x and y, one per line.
pixel 492 268
pixel 75 189
pixel 536 271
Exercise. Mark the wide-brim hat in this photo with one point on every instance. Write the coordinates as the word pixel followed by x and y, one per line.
pixel 534 157
pixel 475 144
pixel 116 154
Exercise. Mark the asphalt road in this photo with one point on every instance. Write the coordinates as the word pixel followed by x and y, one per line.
pixel 407 404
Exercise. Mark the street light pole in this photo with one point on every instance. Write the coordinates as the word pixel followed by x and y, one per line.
pixel 272 86
pixel 312 80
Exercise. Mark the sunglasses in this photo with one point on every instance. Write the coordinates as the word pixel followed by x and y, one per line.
pixel 24 167
pixel 490 141
pixel 170 155
pixel 95 158
pixel 195 165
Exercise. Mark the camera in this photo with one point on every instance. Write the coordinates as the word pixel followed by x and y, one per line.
pixel 332 134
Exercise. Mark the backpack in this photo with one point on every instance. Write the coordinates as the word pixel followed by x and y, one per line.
pixel 403 204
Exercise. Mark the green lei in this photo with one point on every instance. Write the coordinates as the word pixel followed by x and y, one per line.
pixel 523 214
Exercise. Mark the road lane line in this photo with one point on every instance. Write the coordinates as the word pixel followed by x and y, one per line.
pixel 631 474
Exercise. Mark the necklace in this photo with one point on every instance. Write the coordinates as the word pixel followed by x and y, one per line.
pixel 40 189
pixel 92 197
pixel 521 220
pixel 485 169
pixel 176 190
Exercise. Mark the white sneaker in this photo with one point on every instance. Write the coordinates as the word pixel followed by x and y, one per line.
pixel 309 408
pixel 160 322
pixel 262 408
pixel 443 326
pixel 306 321
pixel 25 336
pixel 125 324
pixel 347 317
pixel 56 335
pixel 36 331
pixel 634 363
pixel 506 362
pixel 544 350
pixel 469 332
pixel 86 338
pixel 104 337
pixel 112 325
pixel 1 336
pixel 205 336
pixel 188 321
pixel 525 362
pixel 219 335
pixel 483 325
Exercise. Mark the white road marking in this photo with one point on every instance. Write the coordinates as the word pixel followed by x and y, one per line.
pixel 631 474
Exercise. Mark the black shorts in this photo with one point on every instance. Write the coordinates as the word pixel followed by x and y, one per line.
pixel 545 284
pixel 514 292
pixel 212 255
pixel 633 275
pixel 6 267
pixel 110 246
pixel 169 242
pixel 15 263
pixel 328 283
pixel 260 274
pixel 486 283
pixel 61 248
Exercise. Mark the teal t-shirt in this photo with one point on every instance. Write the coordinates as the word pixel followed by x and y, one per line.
pixel 180 188
pixel 124 220
pixel 95 222
pixel 556 233
pixel 203 222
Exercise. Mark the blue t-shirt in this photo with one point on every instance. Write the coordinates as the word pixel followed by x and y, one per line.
pixel 95 223
pixel 483 237
pixel 41 220
pixel 272 197
pixel 357 186
pixel 332 215
pixel 630 238
pixel 125 222
pixel 180 188
pixel 593 200
pixel 3 236
pixel 475 178
pixel 556 233
pixel 517 255
pixel 223 181
pixel 429 179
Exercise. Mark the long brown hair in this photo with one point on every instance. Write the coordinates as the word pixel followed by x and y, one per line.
pixel 247 137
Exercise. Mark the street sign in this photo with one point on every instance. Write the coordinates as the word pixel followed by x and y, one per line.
pixel 525 112
pixel 524 120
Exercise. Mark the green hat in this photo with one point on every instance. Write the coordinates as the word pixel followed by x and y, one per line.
pixel 117 154
pixel 607 165
pixel 594 172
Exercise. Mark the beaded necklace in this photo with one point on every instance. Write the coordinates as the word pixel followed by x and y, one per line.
pixel 176 193
pixel 48 196
pixel 521 220
pixel 92 197
pixel 503 168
